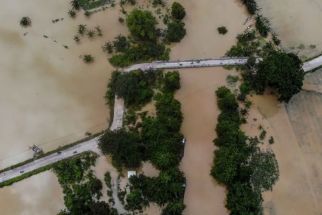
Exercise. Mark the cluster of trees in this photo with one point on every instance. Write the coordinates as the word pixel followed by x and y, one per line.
pixel 239 164
pixel 165 190
pixel 155 139
pixel 82 190
pixel 280 71
pixel 146 43
pixel 136 88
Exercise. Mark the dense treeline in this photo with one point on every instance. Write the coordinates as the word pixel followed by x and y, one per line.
pixel 146 42
pixel 156 139
pixel 239 164
pixel 82 190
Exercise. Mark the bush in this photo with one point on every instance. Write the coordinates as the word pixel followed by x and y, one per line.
pixel 175 31
pixel 171 81
pixel 222 30
pixel 177 11
pixel 25 22
pixel 262 25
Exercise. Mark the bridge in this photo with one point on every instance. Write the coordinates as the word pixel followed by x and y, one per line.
pixel 92 144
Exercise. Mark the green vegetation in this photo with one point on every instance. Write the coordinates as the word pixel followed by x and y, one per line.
pixel 124 147
pixel 222 30
pixel 177 11
pixel 91 4
pixel 88 58
pixel 239 164
pixel 146 43
pixel 282 72
pixel 175 31
pixel 135 87
pixel 251 6
pixel 142 25
pixel 82 190
pixel 262 25
pixel 25 22
pixel 155 139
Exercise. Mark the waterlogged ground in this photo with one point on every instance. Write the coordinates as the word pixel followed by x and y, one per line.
pixel 297 23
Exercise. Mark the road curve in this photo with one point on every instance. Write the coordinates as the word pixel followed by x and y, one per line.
pixel 92 145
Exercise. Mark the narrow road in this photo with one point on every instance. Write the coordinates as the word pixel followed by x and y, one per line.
pixel 92 145
pixel 198 63
pixel 307 66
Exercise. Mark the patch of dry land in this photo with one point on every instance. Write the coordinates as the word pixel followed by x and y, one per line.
pixel 297 23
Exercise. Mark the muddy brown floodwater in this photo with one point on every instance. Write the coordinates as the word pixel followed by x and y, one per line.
pixel 297 23
pixel 197 96
pixel 48 96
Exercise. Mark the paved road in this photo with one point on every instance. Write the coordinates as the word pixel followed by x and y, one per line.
pixel 92 145
pixel 312 64
pixel 307 66
pixel 187 64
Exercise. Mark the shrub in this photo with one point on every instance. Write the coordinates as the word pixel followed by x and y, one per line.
pixel 222 30
pixel 25 22
pixel 177 11
pixel 262 25
pixel 175 31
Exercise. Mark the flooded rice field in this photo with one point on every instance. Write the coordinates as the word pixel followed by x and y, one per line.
pixel 297 23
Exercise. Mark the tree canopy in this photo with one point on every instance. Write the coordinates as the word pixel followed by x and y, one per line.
pixel 175 31
pixel 177 11
pixel 282 72
pixel 141 24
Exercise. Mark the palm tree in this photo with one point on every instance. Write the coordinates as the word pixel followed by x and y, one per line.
pixel 25 22
pixel 91 34
pixel 81 29
pixel 108 47
pixel 87 14
pixel 76 39
pixel 75 4
pixel 72 13
pixel 99 31
pixel 88 58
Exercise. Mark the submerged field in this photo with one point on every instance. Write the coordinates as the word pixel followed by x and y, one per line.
pixel 49 97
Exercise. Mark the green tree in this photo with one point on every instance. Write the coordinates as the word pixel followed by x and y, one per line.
pixel 265 170
pixel 175 31
pixel 123 146
pixel 171 81
pixel 177 11
pixel 25 22
pixel 243 200
pixel 282 72
pixel 142 24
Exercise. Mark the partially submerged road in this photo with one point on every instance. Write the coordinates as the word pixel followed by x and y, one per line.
pixel 92 145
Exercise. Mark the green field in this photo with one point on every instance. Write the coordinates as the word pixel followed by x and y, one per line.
pixel 91 4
